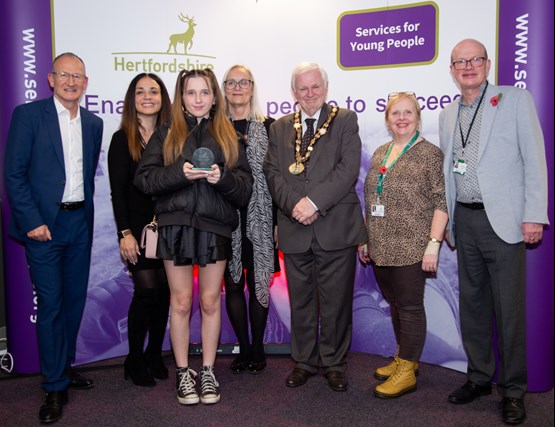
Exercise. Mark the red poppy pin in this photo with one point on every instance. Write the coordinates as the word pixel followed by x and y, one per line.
pixel 495 100
pixel 382 170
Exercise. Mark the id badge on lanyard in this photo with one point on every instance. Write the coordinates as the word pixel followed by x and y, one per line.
pixel 460 167
pixel 378 210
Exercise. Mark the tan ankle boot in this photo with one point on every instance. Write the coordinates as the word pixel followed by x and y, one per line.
pixel 402 381
pixel 385 372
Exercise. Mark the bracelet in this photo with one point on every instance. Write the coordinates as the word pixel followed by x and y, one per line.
pixel 432 248
pixel 123 233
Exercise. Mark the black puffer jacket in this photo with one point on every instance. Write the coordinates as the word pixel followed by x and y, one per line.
pixel 196 203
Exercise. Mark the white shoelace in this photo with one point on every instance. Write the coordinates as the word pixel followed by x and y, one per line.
pixel 187 383
pixel 208 381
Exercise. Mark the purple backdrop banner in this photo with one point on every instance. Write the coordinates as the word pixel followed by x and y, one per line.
pixel 525 60
pixel 27 50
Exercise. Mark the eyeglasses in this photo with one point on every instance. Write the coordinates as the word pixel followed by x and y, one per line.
pixel 63 76
pixel 394 94
pixel 243 84
pixel 477 61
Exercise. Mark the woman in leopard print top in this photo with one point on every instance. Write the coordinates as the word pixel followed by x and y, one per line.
pixel 406 215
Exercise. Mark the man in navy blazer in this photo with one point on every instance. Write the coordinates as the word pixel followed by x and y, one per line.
pixel 50 163
pixel 496 187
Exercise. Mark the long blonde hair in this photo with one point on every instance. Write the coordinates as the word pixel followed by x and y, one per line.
pixel 221 128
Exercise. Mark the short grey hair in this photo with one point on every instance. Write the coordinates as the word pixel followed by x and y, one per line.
pixel 304 67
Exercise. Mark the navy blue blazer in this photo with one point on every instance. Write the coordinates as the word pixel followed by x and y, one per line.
pixel 34 170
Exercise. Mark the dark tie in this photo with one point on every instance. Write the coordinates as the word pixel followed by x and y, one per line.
pixel 308 135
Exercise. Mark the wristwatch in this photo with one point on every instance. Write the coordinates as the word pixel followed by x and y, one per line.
pixel 123 233
pixel 434 240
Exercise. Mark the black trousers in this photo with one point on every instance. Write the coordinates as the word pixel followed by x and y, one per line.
pixel 403 288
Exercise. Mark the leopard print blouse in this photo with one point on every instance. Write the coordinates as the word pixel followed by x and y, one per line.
pixel 412 190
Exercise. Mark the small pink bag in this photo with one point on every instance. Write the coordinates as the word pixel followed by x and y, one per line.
pixel 149 239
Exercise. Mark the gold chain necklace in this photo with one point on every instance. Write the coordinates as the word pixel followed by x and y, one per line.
pixel 298 166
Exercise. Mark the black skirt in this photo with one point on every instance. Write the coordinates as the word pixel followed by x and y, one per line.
pixel 186 245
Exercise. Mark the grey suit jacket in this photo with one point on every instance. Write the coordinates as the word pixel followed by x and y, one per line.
pixel 329 182
pixel 512 169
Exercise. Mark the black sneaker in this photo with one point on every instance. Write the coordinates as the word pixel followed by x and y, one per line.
pixel 209 392
pixel 186 386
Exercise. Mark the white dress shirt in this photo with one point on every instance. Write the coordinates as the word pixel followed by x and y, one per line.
pixel 72 143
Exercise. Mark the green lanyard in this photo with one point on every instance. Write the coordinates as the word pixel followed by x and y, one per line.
pixel 381 176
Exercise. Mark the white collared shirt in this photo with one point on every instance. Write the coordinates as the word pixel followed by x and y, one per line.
pixel 316 117
pixel 72 144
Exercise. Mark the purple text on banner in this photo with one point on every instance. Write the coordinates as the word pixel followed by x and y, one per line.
pixel 525 60
pixel 388 37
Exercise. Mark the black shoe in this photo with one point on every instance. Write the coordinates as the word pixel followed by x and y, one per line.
pixel 468 392
pixel 135 367
pixel 257 367
pixel 78 381
pixel 240 364
pixel 512 410
pixel 337 381
pixel 52 408
pixel 298 377
pixel 156 366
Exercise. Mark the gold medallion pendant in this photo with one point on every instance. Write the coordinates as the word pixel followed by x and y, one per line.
pixel 296 168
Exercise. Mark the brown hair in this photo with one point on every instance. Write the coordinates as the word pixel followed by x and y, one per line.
pixel 221 128
pixel 130 122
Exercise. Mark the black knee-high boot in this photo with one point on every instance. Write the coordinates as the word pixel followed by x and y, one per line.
pixel 138 318
pixel 157 332
pixel 236 307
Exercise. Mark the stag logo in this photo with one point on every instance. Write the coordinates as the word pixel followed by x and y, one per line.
pixel 185 38
pixel 172 59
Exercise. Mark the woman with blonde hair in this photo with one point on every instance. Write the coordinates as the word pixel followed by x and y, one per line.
pixel 406 215
pixel 255 258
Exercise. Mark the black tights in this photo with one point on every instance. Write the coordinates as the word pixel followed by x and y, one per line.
pixel 148 311
pixel 236 305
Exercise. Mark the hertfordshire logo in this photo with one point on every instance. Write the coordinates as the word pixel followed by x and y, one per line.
pixel 185 38
pixel 175 58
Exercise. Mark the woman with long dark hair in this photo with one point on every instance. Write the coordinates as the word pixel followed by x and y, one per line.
pixel 146 106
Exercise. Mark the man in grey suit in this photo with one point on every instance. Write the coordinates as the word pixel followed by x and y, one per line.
pixel 496 187
pixel 311 166
pixel 50 163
